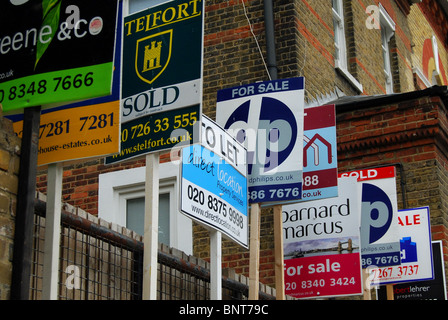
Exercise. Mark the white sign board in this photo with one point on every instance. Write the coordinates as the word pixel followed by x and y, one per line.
pixel 267 118
pixel 224 145
pixel 416 250
pixel 322 245
pixel 380 244
pixel 214 193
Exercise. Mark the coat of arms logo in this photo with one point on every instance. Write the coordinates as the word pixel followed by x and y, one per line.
pixel 153 55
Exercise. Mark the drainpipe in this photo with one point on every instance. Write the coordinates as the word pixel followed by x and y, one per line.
pixel 270 39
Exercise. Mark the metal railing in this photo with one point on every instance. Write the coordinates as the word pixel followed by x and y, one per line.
pixel 98 263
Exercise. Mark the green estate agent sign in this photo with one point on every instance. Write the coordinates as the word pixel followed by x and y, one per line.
pixel 54 51
pixel 161 77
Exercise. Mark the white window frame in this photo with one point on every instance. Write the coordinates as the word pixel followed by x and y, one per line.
pixel 340 61
pixel 387 32
pixel 339 35
pixel 115 188
pixel 140 5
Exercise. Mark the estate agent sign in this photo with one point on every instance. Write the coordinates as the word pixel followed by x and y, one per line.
pixel 267 117
pixel 44 51
pixel 161 78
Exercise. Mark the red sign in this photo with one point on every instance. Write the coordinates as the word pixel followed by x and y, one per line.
pixel 320 168
pixel 371 174
pixel 323 276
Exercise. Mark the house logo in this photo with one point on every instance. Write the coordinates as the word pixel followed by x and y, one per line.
pixel 408 250
pixel 311 143
pixel 153 55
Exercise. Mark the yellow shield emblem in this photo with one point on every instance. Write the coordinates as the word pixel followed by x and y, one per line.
pixel 153 55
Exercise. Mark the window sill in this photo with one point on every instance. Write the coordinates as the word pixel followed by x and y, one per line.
pixel 349 78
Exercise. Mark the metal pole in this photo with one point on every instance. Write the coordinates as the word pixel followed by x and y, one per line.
pixel 270 39
pixel 23 235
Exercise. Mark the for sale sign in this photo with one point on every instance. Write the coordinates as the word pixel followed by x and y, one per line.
pixel 415 248
pixel 380 244
pixel 267 118
pixel 321 245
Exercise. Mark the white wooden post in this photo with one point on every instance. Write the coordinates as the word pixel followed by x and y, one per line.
pixel 151 231
pixel 52 232
pixel 215 265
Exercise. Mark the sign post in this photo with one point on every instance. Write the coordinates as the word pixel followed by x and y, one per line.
pixel 52 232
pixel 278 248
pixel 151 230
pixel 267 117
pixel 23 235
pixel 215 264
pixel 254 255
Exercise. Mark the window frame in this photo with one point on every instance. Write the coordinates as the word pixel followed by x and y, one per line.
pixel 340 43
pixel 115 188
pixel 387 26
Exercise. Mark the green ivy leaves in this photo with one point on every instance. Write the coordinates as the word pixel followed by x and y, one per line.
pixel 50 17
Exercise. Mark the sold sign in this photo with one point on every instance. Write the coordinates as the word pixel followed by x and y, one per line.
pixel 380 244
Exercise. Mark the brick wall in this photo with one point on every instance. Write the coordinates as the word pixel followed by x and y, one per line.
pixel 9 170
pixel 411 133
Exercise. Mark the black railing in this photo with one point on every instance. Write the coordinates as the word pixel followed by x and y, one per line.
pixel 99 263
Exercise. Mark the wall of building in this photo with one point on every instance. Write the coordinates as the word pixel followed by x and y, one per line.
pixel 422 32
pixel 9 171
pixel 410 134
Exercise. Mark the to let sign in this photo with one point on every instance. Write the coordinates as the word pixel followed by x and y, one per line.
pixel 214 193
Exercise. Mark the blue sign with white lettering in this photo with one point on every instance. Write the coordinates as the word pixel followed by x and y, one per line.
pixel 214 192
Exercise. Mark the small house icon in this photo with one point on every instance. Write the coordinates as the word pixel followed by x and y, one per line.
pixel 152 56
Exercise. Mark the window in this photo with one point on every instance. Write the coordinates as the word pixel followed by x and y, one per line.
pixel 339 35
pixel 387 32
pixel 340 56
pixel 138 5
pixel 121 201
